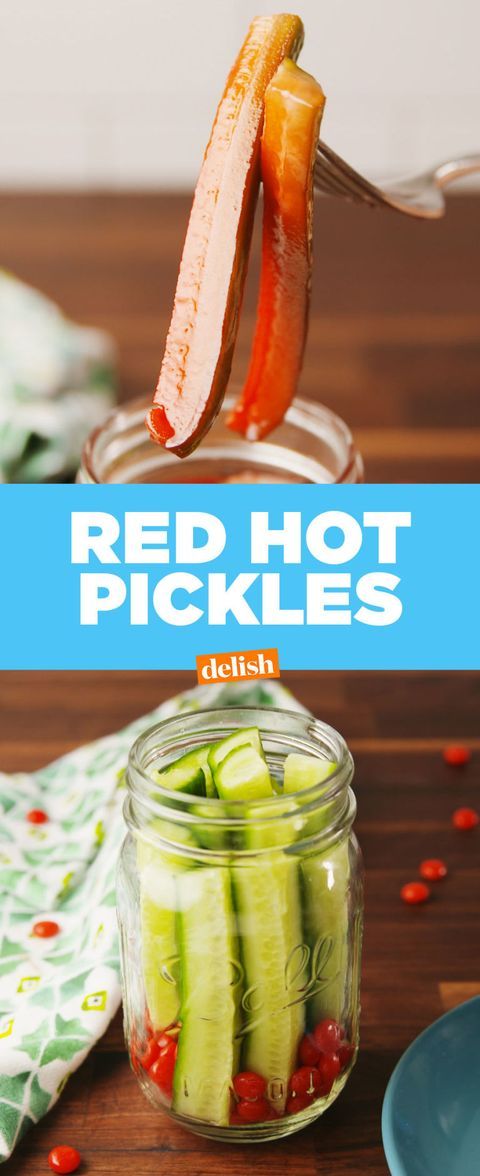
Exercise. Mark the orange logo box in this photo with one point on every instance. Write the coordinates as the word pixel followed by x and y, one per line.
pixel 235 667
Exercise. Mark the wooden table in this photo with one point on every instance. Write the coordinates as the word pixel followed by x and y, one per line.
pixel 394 343
pixel 417 962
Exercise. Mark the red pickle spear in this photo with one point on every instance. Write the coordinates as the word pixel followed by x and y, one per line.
pixel 294 106
pixel 203 328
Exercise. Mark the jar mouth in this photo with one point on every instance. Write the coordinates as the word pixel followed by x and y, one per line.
pixel 282 732
pixel 303 448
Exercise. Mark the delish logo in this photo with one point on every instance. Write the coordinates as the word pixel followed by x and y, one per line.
pixel 234 667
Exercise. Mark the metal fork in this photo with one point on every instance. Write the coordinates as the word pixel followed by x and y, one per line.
pixel 419 196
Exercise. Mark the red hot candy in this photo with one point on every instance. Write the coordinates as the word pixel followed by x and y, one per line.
pixel 415 893
pixel 64 1160
pixel 465 818
pixel 456 755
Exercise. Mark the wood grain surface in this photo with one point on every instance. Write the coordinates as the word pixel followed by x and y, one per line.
pixel 394 342
pixel 417 962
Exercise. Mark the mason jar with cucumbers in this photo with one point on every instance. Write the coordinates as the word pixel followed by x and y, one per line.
pixel 240 910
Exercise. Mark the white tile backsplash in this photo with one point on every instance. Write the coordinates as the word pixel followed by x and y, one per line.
pixel 122 92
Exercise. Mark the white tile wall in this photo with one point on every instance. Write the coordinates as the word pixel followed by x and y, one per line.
pixel 122 92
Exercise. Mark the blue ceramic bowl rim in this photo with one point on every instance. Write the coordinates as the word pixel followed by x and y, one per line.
pixel 394 1159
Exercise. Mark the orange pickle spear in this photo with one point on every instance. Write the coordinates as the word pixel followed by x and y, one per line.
pixel 203 328
pixel 294 105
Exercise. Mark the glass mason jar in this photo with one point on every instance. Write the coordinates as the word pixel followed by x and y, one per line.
pixel 240 930
pixel 311 445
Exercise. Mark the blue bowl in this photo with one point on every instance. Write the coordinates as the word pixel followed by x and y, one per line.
pixel 431 1109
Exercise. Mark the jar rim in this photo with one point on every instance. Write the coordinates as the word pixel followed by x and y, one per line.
pixel 303 413
pixel 179 808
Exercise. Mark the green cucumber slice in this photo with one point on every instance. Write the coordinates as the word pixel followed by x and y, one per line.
pixel 243 775
pixel 201 754
pixel 158 903
pixel 185 775
pixel 209 836
pixel 207 771
pixel 304 771
pixel 277 833
pixel 173 834
pixel 325 885
pixel 267 899
pixel 218 751
pixel 210 982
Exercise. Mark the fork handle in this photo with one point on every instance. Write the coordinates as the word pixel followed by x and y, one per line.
pixel 453 169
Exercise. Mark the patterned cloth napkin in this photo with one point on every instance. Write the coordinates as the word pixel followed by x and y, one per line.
pixel 57 995
pixel 57 382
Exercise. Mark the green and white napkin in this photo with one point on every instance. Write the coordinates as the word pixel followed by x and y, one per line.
pixel 57 382
pixel 58 995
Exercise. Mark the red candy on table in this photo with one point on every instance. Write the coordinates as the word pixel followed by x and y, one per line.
pixel 415 893
pixel 456 755
pixel 37 817
pixel 45 929
pixel 248 1085
pixel 465 818
pixel 433 869
pixel 64 1160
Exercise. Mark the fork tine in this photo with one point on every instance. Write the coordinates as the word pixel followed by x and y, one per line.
pixel 333 184
pixel 342 186
pixel 419 196
pixel 358 186
pixel 331 179
pixel 330 184
pixel 340 165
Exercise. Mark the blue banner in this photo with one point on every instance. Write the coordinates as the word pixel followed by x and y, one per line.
pixel 150 577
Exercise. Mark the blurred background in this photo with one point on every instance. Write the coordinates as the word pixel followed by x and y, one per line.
pixel 120 93
pixel 105 110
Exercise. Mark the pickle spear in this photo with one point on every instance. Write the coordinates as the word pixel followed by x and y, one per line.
pixel 294 105
pixel 201 338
